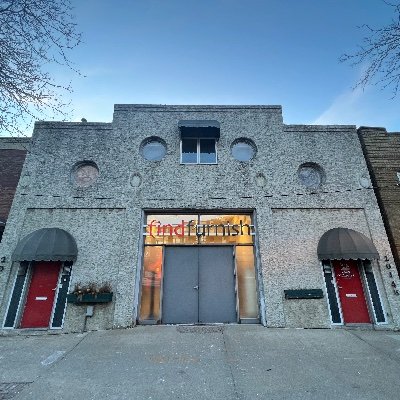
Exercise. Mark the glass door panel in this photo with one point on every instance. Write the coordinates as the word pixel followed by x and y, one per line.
pixel 247 287
pixel 151 282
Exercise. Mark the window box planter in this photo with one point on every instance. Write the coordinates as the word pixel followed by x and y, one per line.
pixel 89 298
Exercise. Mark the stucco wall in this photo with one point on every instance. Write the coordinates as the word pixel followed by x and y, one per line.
pixel 106 218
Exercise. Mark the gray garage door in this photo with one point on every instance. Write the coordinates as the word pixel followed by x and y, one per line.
pixel 199 285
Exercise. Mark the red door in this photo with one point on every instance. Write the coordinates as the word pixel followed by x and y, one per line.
pixel 351 292
pixel 40 298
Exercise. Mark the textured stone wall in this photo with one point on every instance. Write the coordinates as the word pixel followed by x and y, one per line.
pixel 106 218
pixel 297 231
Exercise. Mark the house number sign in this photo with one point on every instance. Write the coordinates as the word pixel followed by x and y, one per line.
pixel 393 284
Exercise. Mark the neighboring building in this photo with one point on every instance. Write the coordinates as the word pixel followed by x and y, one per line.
pixel 382 153
pixel 12 157
pixel 196 214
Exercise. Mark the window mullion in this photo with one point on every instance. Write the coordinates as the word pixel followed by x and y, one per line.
pixel 198 151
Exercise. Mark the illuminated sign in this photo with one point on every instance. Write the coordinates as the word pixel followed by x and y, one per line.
pixel 191 228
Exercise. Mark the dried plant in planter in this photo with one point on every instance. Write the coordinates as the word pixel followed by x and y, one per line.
pixel 91 288
pixel 105 288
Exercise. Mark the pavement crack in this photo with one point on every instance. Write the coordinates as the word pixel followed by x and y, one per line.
pixel 235 389
pixel 374 347
pixel 85 335
pixel 56 361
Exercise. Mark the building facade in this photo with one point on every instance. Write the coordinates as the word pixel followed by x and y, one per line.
pixel 12 157
pixel 382 153
pixel 196 214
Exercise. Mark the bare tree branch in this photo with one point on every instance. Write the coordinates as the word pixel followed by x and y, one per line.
pixel 380 54
pixel 34 34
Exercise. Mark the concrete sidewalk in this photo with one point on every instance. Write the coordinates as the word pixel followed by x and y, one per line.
pixel 218 362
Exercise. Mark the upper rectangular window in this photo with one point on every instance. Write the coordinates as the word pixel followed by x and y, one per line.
pixel 198 151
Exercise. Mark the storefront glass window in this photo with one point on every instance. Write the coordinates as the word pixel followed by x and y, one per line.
pixel 186 229
pixel 198 229
pixel 151 283
pixel 248 307
pixel 171 229
pixel 225 229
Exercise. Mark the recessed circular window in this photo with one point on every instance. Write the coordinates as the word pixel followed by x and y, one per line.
pixel 311 175
pixel 85 173
pixel 153 149
pixel 243 149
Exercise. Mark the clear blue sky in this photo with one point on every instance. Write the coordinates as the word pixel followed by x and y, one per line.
pixel 229 52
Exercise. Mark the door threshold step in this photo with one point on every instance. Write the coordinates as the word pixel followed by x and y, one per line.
pixel 360 327
pixel 200 328
pixel 30 332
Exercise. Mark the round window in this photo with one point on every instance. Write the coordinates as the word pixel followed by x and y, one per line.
pixel 153 149
pixel 85 173
pixel 243 149
pixel 311 175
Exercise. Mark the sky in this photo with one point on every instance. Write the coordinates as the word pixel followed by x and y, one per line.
pixel 233 52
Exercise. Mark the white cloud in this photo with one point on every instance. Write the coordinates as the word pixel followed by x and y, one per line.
pixel 345 109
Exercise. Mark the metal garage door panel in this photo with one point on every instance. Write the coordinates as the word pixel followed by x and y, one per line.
pixel 180 294
pixel 217 298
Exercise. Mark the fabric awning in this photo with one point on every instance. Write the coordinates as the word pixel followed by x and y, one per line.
pixel 346 244
pixel 199 128
pixel 47 244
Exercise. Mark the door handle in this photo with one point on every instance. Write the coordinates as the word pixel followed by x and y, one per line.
pixel 340 287
pixel 196 287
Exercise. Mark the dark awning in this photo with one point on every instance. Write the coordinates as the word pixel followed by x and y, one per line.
pixel 47 244
pixel 199 128
pixel 346 244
